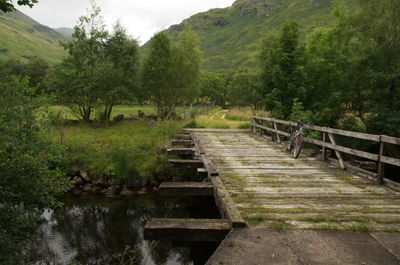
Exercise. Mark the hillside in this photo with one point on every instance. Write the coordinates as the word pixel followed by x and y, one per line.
pixel 231 37
pixel 22 38
pixel 66 32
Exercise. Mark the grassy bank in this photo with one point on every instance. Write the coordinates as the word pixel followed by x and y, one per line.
pixel 129 151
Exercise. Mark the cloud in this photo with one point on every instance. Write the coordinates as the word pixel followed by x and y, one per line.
pixel 142 18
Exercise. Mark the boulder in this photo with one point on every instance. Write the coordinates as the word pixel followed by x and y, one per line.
pixel 77 180
pixel 88 187
pixel 126 192
pixel 84 176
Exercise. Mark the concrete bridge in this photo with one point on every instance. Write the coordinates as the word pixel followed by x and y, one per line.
pixel 279 210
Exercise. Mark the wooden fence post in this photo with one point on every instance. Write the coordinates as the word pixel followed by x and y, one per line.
pixel 254 126
pixel 339 156
pixel 324 158
pixel 381 165
pixel 278 138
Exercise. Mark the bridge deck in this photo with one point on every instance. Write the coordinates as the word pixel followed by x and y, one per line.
pixel 273 190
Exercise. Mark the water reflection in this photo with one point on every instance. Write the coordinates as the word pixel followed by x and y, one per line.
pixel 110 231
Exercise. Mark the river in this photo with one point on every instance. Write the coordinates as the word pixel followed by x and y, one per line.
pixel 98 230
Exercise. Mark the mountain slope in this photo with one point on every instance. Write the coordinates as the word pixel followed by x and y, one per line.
pixel 22 38
pixel 66 32
pixel 231 37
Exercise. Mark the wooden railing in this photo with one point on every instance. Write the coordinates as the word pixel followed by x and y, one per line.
pixel 262 126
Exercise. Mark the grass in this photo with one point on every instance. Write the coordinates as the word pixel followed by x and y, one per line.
pixel 21 38
pixel 127 150
pixel 257 217
pixel 235 118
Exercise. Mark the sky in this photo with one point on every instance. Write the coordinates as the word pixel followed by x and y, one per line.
pixel 142 18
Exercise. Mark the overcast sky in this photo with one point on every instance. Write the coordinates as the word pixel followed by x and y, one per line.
pixel 142 18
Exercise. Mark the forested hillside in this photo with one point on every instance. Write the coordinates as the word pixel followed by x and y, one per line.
pixel 23 38
pixel 231 37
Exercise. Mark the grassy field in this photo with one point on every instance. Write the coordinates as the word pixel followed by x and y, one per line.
pixel 235 118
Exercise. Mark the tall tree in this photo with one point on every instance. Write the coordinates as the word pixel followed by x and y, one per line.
pixel 118 77
pixel 283 71
pixel 157 74
pixel 76 78
pixel 187 57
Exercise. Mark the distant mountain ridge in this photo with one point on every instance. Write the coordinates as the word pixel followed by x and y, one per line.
pixel 22 38
pixel 66 32
pixel 231 37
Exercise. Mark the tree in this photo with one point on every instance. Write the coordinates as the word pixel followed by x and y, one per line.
pixel 118 77
pixel 8 5
pixel 36 69
pixel 157 74
pixel 383 62
pixel 283 78
pixel 187 57
pixel 245 89
pixel 76 79
pixel 30 176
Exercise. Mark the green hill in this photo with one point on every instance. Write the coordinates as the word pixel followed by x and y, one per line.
pixel 22 38
pixel 231 37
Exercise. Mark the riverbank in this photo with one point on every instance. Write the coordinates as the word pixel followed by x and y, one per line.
pixel 116 158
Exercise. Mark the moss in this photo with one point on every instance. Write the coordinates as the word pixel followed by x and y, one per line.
pixel 257 217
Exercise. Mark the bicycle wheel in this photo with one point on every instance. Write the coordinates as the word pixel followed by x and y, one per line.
pixel 297 145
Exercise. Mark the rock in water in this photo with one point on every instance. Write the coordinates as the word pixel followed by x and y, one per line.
pixel 126 192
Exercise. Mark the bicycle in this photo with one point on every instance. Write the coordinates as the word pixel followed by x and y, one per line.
pixel 296 140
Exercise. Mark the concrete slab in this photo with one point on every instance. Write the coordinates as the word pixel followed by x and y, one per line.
pixel 264 246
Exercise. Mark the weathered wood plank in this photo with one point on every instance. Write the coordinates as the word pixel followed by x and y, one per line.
pixel 202 173
pixel 181 151
pixel 390 140
pixel 189 163
pixel 186 189
pixel 186 230
pixel 225 203
pixel 186 143
pixel 364 136
pixel 212 172
pixel 181 136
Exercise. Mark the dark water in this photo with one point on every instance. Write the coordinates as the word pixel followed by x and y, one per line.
pixel 96 230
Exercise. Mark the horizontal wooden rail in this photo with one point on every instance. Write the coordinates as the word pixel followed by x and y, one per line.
pixel 261 124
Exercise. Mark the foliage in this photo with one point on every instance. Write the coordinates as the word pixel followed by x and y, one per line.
pixel 35 70
pixel 30 169
pixel 283 74
pixel 118 76
pixel 347 74
pixel 8 5
pixel 157 75
pixel 245 89
pixel 100 71
pixel 171 72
